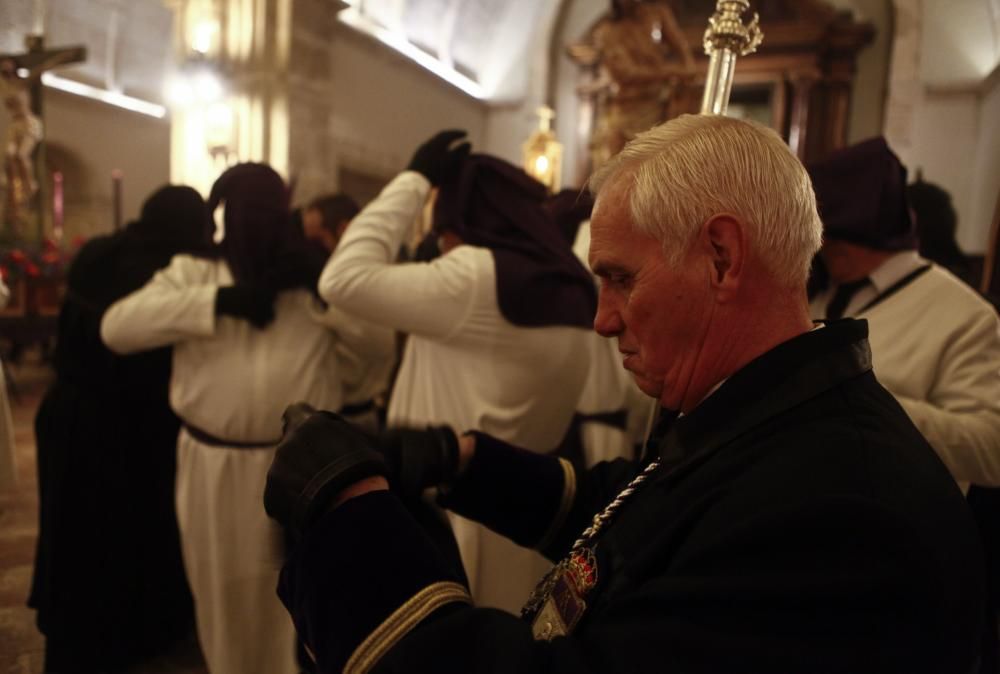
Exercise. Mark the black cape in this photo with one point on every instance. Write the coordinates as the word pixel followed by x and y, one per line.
pixel 109 585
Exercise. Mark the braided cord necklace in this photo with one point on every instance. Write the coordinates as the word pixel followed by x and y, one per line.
pixel 544 589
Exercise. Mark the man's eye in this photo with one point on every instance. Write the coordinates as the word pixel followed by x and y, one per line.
pixel 617 280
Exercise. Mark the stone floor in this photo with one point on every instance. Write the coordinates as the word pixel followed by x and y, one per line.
pixel 21 645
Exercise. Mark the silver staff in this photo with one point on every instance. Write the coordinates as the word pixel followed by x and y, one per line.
pixel 726 38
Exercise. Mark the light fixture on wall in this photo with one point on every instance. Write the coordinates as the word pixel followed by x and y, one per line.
pixel 220 130
pixel 200 90
pixel 543 153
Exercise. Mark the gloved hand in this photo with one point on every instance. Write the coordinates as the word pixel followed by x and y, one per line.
pixel 418 459
pixel 320 455
pixel 437 160
pixel 255 305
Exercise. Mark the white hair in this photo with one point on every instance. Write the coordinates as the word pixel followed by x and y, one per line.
pixel 695 166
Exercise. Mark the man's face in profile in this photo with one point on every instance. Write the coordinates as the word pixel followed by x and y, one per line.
pixel 658 312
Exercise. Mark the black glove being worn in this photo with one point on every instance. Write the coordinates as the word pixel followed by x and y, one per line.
pixel 255 305
pixel 320 455
pixel 437 160
pixel 418 459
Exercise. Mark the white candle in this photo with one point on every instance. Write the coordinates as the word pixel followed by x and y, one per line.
pixel 39 17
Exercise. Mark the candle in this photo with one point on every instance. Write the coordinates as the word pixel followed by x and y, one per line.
pixel 57 206
pixel 39 24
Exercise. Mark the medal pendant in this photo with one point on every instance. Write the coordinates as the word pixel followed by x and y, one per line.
pixel 560 612
pixel 563 605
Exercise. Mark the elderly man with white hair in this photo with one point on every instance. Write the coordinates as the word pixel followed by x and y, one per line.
pixel 787 515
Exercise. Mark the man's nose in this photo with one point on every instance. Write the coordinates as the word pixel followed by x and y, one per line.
pixel 608 321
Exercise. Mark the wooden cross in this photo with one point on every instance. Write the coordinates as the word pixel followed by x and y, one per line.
pixel 37 60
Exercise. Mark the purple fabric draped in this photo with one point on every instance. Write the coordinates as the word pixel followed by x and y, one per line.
pixel 861 193
pixel 495 205
pixel 262 246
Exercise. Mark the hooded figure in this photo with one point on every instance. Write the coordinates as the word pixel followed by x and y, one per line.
pixel 249 337
pixel 109 585
pixel 861 194
pixel 260 245
pixel 495 205
pixel 498 325
pixel 935 343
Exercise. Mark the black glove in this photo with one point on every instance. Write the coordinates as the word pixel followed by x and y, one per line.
pixel 318 457
pixel 255 305
pixel 437 160
pixel 419 459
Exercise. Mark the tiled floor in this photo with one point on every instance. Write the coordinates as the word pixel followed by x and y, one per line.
pixel 21 646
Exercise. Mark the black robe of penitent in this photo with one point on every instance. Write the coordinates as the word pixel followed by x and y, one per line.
pixel 109 584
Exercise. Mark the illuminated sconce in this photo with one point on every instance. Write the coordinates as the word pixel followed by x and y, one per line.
pixel 205 36
pixel 543 153
pixel 195 83
pixel 202 28
pixel 199 90
pixel 220 129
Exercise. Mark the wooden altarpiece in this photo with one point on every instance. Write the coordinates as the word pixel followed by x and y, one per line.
pixel 799 81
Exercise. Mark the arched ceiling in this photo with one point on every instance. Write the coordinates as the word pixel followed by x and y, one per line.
pixel 494 44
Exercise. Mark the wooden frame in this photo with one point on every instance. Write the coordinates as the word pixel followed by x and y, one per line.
pixel 808 57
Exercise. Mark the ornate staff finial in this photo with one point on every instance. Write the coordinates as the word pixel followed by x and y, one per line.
pixel 726 38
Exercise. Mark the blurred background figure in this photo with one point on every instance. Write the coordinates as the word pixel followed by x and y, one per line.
pixel 937 224
pixel 250 335
pixel 935 342
pixel 326 218
pixel 109 585
pixel 365 380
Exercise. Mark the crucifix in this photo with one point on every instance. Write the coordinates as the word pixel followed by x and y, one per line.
pixel 21 93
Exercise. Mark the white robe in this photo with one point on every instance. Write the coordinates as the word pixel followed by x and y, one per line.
pixel 464 365
pixel 233 381
pixel 936 348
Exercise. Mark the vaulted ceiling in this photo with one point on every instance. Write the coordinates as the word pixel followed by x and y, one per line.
pixel 484 41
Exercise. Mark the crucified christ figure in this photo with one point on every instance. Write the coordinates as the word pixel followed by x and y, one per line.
pixel 24 130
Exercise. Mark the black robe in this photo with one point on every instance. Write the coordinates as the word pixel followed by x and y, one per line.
pixel 109 584
pixel 799 523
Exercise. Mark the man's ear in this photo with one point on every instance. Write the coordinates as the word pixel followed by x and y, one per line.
pixel 725 238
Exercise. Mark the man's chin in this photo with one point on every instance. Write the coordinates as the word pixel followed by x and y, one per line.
pixel 651 387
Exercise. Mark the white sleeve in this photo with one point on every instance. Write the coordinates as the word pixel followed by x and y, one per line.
pixel 168 309
pixel 961 417
pixel 4 295
pixel 429 299
pixel 362 338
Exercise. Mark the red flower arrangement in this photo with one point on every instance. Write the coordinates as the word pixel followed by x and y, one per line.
pixel 48 261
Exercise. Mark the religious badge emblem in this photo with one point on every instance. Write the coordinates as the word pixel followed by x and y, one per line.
pixel 560 598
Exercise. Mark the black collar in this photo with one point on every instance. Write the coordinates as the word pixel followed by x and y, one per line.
pixel 784 377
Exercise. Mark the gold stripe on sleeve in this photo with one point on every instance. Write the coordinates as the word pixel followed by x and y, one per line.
pixel 565 503
pixel 401 622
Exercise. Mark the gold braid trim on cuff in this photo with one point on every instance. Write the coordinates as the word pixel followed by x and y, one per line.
pixel 401 622
pixel 565 503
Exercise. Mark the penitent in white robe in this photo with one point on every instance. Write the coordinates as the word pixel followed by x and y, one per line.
pixel 233 381
pixel 936 347
pixel 464 365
